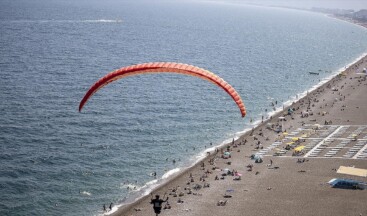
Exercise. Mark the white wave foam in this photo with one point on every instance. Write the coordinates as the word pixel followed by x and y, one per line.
pixel 240 133
pixel 114 209
pixel 152 182
pixel 85 193
pixel 150 186
pixel 102 21
pixel 171 172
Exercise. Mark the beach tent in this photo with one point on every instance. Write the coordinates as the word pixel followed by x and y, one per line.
pixel 290 111
pixel 226 155
pixel 257 158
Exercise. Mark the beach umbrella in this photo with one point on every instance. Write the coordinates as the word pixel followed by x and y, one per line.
pixel 237 174
pixel 304 135
pixel 295 138
pixel 285 133
pixel 354 136
pixel 299 148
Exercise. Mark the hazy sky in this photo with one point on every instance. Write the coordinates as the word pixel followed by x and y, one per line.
pixel 342 4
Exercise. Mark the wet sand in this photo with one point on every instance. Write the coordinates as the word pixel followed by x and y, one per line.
pixel 286 187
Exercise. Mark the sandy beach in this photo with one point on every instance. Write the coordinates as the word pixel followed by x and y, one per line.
pixel 330 122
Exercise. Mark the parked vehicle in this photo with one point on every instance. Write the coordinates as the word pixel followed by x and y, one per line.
pixel 347 184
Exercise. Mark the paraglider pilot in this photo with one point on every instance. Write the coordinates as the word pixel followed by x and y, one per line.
pixel 157 203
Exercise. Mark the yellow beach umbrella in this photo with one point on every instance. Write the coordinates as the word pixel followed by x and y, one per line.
pixel 295 138
pixel 299 148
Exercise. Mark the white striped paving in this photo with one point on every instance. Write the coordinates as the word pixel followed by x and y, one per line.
pixel 266 150
pixel 355 149
pixel 361 153
pixel 322 142
pixel 289 156
pixel 319 144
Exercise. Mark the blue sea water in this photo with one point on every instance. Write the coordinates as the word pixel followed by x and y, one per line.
pixel 57 161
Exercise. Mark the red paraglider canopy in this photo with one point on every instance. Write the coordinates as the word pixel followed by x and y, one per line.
pixel 164 67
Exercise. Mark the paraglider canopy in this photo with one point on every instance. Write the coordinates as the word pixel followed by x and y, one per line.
pixel 164 67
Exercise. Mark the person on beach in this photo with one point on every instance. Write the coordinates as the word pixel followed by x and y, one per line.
pixel 157 204
pixel 110 207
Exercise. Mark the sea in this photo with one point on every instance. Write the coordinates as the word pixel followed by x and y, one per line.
pixel 55 160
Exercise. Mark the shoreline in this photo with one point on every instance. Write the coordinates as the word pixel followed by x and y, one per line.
pixel 257 124
pixel 141 206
